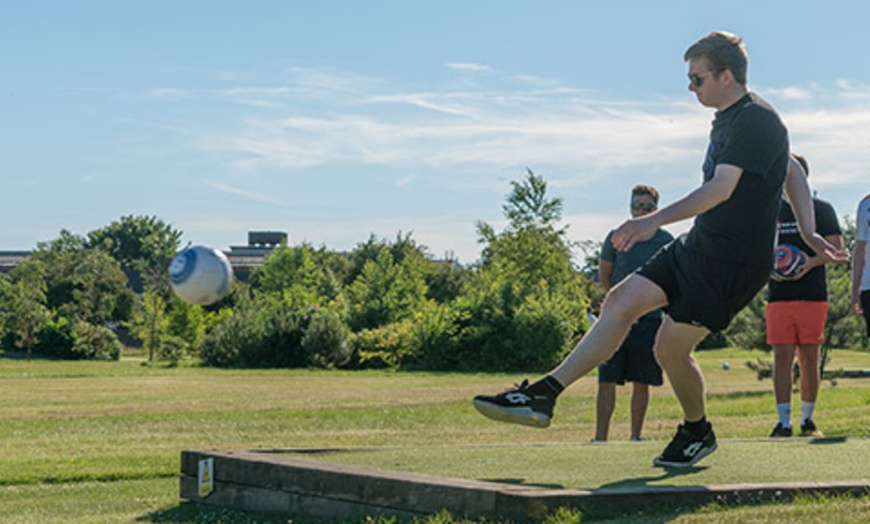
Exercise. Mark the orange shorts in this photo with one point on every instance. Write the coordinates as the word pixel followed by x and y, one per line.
pixel 796 322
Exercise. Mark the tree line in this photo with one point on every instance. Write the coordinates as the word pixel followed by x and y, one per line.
pixel 385 304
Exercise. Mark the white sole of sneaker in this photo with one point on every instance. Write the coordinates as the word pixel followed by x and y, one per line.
pixel 701 454
pixel 522 415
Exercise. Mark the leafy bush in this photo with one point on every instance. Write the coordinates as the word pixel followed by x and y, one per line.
pixel 56 339
pixel 383 347
pixel 186 322
pixel 484 337
pixel 501 332
pixel 265 331
pixel 434 337
pixel 543 333
pixel 385 292
pixel 259 333
pixel 325 340
pixel 173 349
pixel 95 342
pixel 60 338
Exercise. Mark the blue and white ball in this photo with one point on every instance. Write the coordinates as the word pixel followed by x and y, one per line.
pixel 789 260
pixel 200 275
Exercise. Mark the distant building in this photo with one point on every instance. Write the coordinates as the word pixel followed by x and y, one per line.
pixel 9 260
pixel 245 259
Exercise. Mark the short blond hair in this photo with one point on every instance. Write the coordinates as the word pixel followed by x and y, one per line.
pixel 722 50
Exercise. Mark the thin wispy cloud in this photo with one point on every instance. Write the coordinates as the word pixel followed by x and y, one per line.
pixel 244 193
pixel 325 80
pixel 468 66
pixel 496 127
pixel 476 138
pixel 516 128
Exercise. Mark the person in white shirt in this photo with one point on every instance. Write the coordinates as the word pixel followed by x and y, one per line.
pixel 860 267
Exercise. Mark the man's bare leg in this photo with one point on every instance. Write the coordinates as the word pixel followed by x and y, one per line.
pixel 639 406
pixel 605 402
pixel 694 439
pixel 624 304
pixel 673 349
pixel 532 404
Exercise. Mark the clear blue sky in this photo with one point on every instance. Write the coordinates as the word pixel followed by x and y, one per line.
pixel 335 120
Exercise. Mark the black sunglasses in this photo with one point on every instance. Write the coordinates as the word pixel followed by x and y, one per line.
pixel 643 206
pixel 698 80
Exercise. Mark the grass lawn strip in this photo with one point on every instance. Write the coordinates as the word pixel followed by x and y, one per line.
pixel 623 464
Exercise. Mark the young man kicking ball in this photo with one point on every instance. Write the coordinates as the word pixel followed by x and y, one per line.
pixel 705 277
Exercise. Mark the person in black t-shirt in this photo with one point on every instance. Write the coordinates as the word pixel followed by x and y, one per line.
pixel 795 315
pixel 705 277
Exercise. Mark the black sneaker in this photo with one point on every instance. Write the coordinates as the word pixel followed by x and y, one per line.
pixel 686 449
pixel 517 405
pixel 780 431
pixel 808 429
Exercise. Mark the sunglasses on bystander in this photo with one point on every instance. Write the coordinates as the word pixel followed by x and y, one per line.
pixel 643 206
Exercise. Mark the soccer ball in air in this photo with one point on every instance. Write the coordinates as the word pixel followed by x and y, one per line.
pixel 789 260
pixel 200 275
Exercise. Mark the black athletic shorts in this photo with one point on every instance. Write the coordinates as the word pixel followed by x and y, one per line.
pixel 701 290
pixel 865 305
pixel 634 361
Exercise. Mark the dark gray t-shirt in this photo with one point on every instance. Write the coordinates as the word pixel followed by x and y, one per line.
pixel 750 135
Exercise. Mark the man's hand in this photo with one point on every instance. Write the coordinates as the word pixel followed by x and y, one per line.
pixel 810 264
pixel 826 253
pixel 633 231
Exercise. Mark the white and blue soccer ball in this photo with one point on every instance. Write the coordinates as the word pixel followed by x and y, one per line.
pixel 788 261
pixel 200 275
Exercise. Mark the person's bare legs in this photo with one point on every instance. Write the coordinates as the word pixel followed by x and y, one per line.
pixel 673 350
pixel 532 404
pixel 783 362
pixel 808 360
pixel 605 403
pixel 624 304
pixel 695 438
pixel 811 376
pixel 639 405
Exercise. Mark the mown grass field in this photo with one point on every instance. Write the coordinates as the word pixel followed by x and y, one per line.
pixel 100 442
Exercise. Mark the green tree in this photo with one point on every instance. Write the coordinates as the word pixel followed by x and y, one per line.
pixel 531 251
pixel 524 306
pixel 82 283
pixel 149 322
pixel 384 292
pixel 23 305
pixel 528 206
pixel 404 250
pixel 444 278
pixel 296 273
pixel 139 243
pixel 187 322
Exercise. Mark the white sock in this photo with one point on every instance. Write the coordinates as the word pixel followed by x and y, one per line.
pixel 807 410
pixel 784 411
